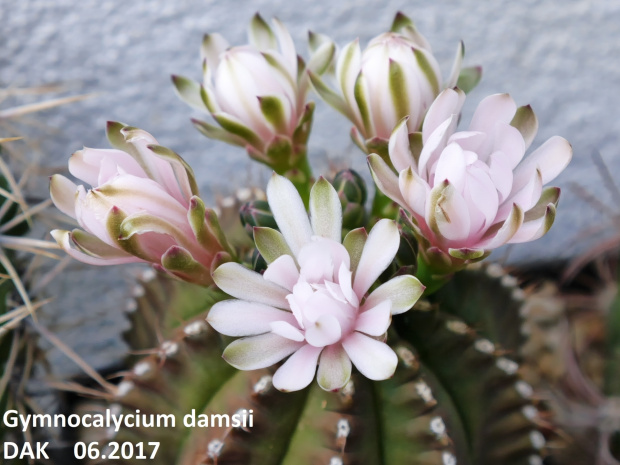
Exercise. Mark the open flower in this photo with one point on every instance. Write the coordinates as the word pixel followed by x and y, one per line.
pixel 472 191
pixel 143 207
pixel 312 300
pixel 395 76
pixel 256 93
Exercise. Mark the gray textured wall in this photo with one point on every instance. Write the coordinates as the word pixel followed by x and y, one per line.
pixel 560 56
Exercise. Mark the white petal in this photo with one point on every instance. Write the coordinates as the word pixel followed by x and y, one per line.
pixel 324 331
pixel 402 291
pixel 254 352
pixel 334 368
pixel 451 166
pixel 283 272
pixel 62 192
pixel 414 190
pixel 379 251
pixel 242 318
pixel 289 212
pixel 346 285
pixel 287 330
pixel 385 179
pixel 326 210
pixel 550 158
pixel 376 320
pixel 374 359
pixel 398 147
pixel 239 282
pixel 298 371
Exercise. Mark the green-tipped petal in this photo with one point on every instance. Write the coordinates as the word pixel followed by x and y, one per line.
pixel 212 46
pixel 428 70
pixel 354 242
pixel 179 262
pixel 526 122
pixel 325 210
pixel 331 97
pixel 402 291
pixel 244 284
pixel 189 91
pixel 400 21
pixel 398 90
pixel 362 99
pixel 252 353
pixel 260 34
pixel 270 243
pixel 180 167
pixel 63 192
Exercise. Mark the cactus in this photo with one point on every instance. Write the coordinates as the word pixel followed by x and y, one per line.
pixel 455 397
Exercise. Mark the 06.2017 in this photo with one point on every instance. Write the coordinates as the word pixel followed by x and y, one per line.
pixel 116 450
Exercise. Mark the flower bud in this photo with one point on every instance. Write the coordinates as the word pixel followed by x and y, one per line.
pixel 256 213
pixel 352 193
pixel 143 206
pixel 257 93
pixel 395 76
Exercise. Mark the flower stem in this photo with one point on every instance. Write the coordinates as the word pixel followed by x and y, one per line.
pixel 301 177
pixel 430 278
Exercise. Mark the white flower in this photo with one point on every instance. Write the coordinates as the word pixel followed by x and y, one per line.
pixel 312 300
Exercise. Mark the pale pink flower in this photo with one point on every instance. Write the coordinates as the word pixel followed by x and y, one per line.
pixel 143 206
pixel 256 93
pixel 472 191
pixel 312 300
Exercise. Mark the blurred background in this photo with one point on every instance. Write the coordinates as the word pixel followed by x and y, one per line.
pixel 560 56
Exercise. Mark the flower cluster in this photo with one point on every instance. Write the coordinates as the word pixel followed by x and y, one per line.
pixel 143 207
pixel 312 300
pixel 323 304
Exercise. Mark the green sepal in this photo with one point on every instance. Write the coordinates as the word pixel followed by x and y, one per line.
pixel 331 97
pixel 273 111
pixel 213 132
pixel 260 34
pixel 238 129
pixel 271 243
pixel 179 262
pixel 401 21
pixel 302 131
pixel 469 78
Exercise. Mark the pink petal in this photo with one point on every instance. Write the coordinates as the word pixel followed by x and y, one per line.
pixel 509 141
pixel 376 320
pixel 481 195
pixel 448 103
pixel 242 318
pixel 346 285
pixel 526 198
pixel 324 331
pixel 379 251
pixel 374 359
pixel 500 173
pixel 298 371
pixel 550 158
pixel 451 166
pixel 384 178
pixel 508 229
pixel 493 110
pixel 434 146
pixel 452 215
pixel 334 368
pixel 283 272
pixel 254 352
pixel 414 190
